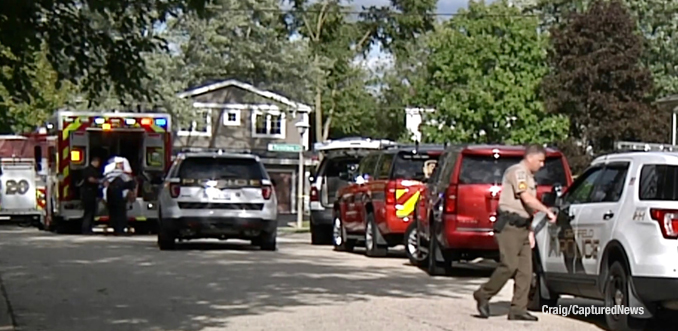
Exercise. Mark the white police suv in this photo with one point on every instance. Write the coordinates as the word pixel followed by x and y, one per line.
pixel 615 238
pixel 217 195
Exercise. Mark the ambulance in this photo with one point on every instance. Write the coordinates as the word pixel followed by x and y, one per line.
pixel 145 139
pixel 23 177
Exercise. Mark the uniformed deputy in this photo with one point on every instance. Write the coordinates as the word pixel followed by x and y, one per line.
pixel 517 203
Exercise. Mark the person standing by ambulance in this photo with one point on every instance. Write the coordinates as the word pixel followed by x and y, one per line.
pixel 517 203
pixel 89 192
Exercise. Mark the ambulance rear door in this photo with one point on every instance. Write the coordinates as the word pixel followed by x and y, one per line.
pixel 17 187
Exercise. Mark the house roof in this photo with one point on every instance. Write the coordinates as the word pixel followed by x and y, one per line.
pixel 247 87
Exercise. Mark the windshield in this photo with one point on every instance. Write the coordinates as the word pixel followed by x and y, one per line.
pixel 476 169
pixel 221 168
pixel 410 166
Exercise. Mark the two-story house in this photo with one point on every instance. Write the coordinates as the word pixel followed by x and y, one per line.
pixel 233 115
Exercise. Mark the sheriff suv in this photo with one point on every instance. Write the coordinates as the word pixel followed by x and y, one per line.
pixel 339 157
pixel 456 214
pixel 217 195
pixel 615 237
pixel 378 204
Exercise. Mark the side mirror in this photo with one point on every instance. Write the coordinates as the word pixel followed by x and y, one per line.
pixel 558 190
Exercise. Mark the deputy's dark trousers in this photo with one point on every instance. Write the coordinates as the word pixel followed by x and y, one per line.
pixel 117 213
pixel 516 263
pixel 90 208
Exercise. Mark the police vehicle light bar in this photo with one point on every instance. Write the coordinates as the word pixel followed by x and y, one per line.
pixel 647 147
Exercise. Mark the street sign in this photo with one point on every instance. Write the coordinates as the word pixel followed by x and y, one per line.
pixel 284 148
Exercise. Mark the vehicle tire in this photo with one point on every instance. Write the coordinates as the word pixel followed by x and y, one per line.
pixel 372 247
pixel 339 236
pixel 268 241
pixel 433 267
pixel 166 238
pixel 616 294
pixel 320 235
pixel 412 243
pixel 536 301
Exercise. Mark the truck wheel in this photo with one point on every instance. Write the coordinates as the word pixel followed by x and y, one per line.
pixel 320 235
pixel 340 237
pixel 616 294
pixel 412 242
pixel 372 247
pixel 435 267
pixel 267 241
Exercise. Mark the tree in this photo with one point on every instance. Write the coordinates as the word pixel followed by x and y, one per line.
pixel 656 20
pixel 597 79
pixel 98 41
pixel 18 115
pixel 482 77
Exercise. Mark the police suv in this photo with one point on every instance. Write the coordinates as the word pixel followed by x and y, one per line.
pixel 615 238
pixel 217 195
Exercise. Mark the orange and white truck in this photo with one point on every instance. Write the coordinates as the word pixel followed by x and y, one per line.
pixel 145 139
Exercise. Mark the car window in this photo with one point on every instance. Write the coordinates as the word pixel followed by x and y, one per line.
pixel 367 166
pixel 581 189
pixel 658 182
pixel 481 169
pixel 336 166
pixel 221 168
pixel 410 166
pixel 384 166
pixel 610 186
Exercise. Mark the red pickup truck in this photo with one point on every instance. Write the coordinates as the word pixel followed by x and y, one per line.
pixel 377 206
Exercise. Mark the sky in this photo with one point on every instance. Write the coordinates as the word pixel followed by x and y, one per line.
pixel 376 58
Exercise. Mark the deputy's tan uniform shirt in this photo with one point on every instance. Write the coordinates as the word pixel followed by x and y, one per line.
pixel 517 179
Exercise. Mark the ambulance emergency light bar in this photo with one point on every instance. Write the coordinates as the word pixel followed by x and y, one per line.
pixel 647 147
pixel 161 122
pixel 352 143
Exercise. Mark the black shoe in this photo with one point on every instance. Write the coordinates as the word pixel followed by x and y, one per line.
pixel 482 305
pixel 522 317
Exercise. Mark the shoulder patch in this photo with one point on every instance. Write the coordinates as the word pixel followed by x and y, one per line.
pixel 521 179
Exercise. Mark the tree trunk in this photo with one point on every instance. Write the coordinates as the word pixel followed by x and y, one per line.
pixel 318 107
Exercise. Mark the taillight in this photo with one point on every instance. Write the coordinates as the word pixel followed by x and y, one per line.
pixel 668 222
pixel 314 194
pixel 266 192
pixel 174 190
pixel 451 199
pixel 390 192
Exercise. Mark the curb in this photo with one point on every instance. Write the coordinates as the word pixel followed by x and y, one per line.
pixel 287 230
pixel 7 322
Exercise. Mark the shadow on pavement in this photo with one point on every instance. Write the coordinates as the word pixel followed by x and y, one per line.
pixel 106 283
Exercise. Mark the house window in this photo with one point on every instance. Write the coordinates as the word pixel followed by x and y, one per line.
pixel 268 124
pixel 200 124
pixel 231 117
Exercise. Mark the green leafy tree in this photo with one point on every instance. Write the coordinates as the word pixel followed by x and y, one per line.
pixel 21 115
pixel 482 77
pixel 98 43
pixel 598 80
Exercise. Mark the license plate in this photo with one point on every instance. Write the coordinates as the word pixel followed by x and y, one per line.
pixel 223 196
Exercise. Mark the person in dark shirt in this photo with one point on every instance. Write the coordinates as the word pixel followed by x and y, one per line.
pixel 117 201
pixel 89 191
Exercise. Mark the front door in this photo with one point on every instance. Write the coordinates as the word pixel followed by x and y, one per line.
pixel 594 228
pixel 560 251
pixel 283 190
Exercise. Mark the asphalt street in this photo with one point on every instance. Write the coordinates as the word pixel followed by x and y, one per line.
pixel 74 283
